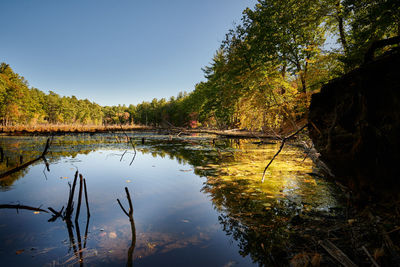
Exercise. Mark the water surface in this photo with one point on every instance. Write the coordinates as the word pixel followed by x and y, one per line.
pixel 197 201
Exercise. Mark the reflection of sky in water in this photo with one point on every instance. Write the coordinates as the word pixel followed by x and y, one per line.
pixel 170 212
pixel 176 212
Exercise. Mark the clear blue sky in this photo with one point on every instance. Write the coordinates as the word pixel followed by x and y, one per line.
pixel 114 51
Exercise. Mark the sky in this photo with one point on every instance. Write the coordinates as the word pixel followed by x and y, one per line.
pixel 115 51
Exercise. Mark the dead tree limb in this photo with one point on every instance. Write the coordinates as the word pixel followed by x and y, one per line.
pixel 79 238
pixel 23 166
pixel 56 214
pixel 47 164
pixel 86 199
pixel 133 145
pixel 133 229
pixel 69 209
pixel 123 154
pixel 122 207
pixel 78 208
pixel 21 207
pixel 336 253
pixel 281 147
pixel 370 257
pixel 86 231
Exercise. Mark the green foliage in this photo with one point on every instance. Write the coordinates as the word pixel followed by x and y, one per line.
pixel 20 104
pixel 369 21
pixel 261 77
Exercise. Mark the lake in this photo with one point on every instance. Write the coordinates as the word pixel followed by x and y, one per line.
pixel 197 201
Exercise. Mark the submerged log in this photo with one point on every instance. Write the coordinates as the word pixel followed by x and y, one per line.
pixel 355 123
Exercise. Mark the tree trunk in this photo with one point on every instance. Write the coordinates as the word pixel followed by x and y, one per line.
pixel 342 33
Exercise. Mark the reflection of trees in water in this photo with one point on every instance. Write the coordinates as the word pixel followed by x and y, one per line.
pixel 30 147
pixel 256 215
pixel 253 214
pixel 259 228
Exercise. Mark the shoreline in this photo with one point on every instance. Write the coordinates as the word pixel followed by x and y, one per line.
pixel 174 131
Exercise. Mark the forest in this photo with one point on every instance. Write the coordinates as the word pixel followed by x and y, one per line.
pixel 260 78
pixel 290 162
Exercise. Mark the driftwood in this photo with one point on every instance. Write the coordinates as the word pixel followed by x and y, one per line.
pixel 223 133
pixel 23 166
pixel 21 207
pixel 281 147
pixel 336 253
pixel 133 229
pixel 370 257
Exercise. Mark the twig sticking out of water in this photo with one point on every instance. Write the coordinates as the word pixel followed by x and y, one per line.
pixel 86 199
pixel 76 246
pixel 128 139
pixel 281 147
pixel 70 207
pixel 133 229
pixel 123 154
pixel 78 208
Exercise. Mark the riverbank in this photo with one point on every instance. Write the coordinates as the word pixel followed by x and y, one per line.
pixel 174 131
pixel 60 128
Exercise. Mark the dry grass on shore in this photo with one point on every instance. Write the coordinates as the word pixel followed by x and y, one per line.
pixel 63 128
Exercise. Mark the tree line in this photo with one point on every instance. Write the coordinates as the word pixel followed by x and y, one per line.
pixel 260 78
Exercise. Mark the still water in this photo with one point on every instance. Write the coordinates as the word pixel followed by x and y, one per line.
pixel 197 201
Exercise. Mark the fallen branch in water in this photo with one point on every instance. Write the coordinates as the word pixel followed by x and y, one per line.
pixel 370 257
pixel 123 154
pixel 23 166
pixel 56 214
pixel 21 207
pixel 281 147
pixel 133 145
pixel 336 253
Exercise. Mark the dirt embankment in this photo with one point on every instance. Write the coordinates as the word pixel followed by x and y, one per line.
pixel 355 126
